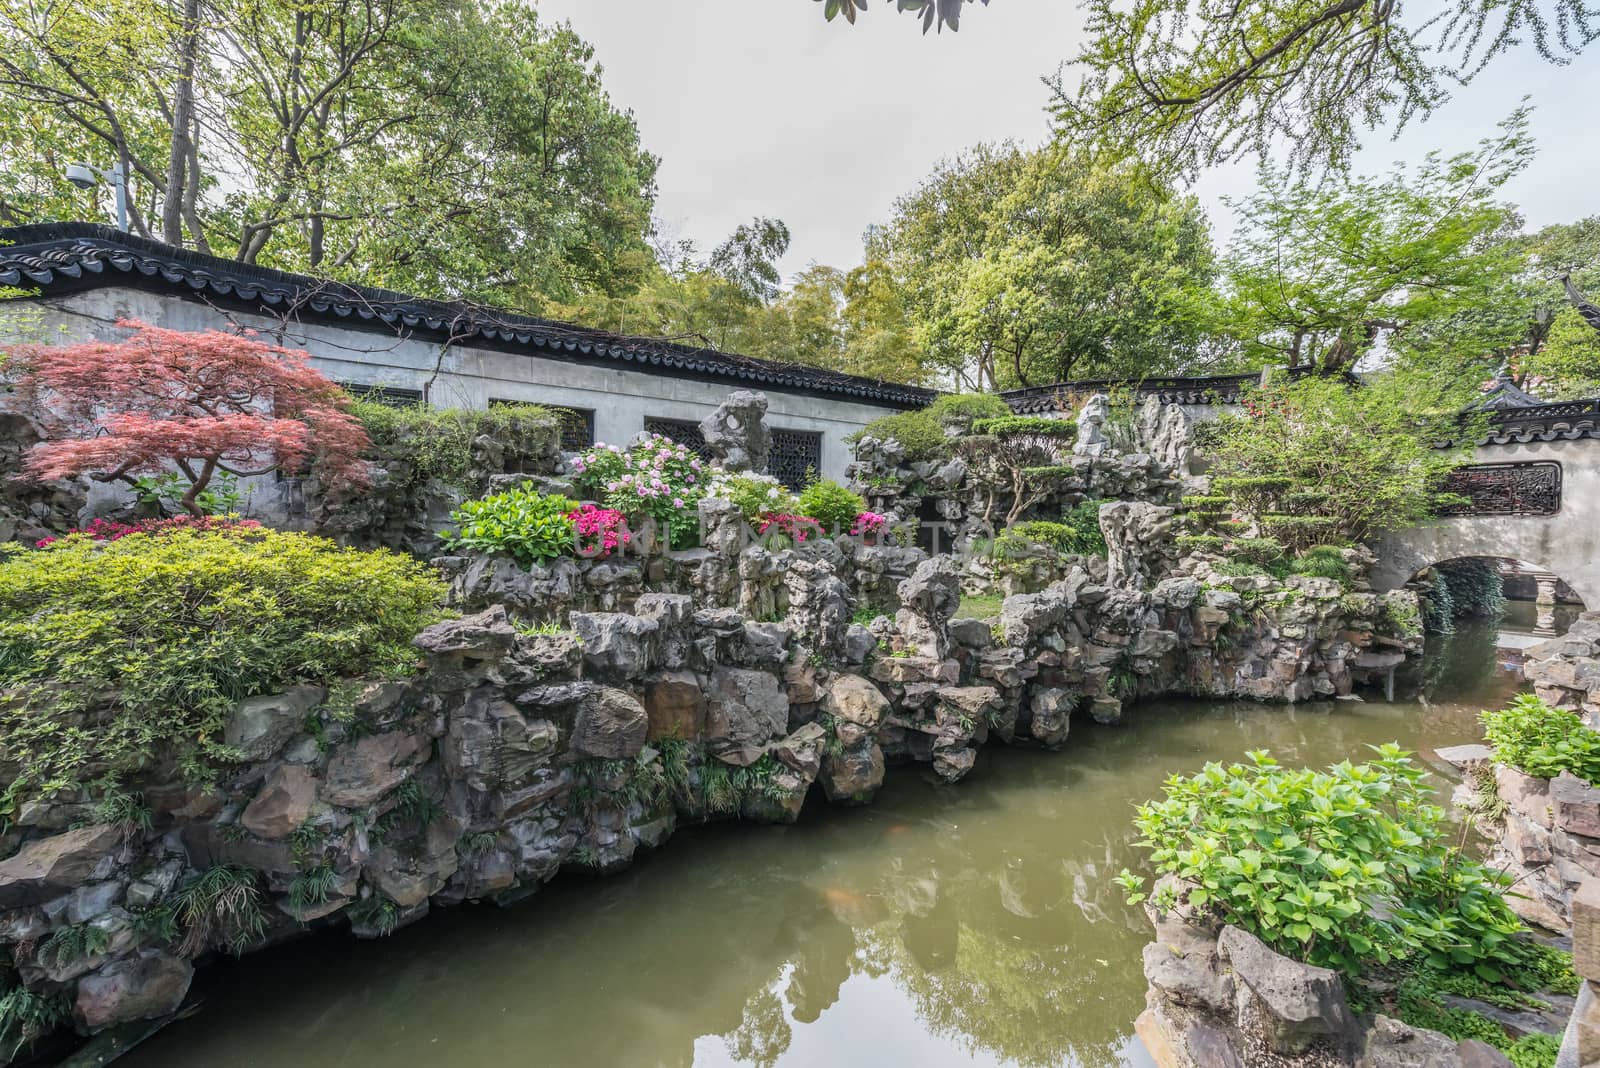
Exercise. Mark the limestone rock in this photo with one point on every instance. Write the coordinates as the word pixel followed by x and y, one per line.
pixel 284 802
pixel 491 745
pixel 611 725
pixel 616 644
pixel 1052 710
pixel 853 776
pixel 928 601
pixel 360 773
pixel 856 700
pixel 675 705
pixel 43 868
pixel 143 987
pixel 259 726
pixel 1295 1005
pixel 737 434
pixel 487 634
pixel 745 710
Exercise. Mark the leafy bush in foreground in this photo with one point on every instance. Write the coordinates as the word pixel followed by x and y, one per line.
pixel 523 522
pixel 116 653
pixel 1345 868
pixel 1542 741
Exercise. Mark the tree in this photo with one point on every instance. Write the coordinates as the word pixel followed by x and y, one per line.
pixel 749 258
pixel 940 13
pixel 442 146
pixel 1320 275
pixel 1022 267
pixel 202 403
pixel 1196 82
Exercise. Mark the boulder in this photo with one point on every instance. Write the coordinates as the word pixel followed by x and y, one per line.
pixel 856 700
pixel 745 711
pixel 45 867
pixel 1294 1005
pixel 259 726
pixel 1576 805
pixel 736 433
pixel 490 744
pixel 616 644
pixel 854 775
pixel 1524 794
pixel 675 705
pixel 361 772
pixel 485 635
pixel 284 802
pixel 147 986
pixel 611 725
pixel 1052 712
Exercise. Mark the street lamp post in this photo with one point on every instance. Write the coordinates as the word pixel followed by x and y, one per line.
pixel 84 176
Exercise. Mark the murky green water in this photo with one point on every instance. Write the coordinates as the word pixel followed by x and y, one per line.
pixel 944 925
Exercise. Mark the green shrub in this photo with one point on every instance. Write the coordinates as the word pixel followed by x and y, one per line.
pixel 1210 543
pixel 155 638
pixel 960 409
pixel 1322 561
pixel 438 441
pixel 832 505
pixel 1542 741
pixel 523 522
pixel 1345 868
pixel 1263 551
pixel 918 433
pixel 755 495
pixel 1025 426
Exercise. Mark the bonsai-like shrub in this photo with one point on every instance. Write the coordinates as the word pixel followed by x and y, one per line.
pixel 118 654
pixel 1322 561
pixel 831 504
pixel 960 409
pixel 920 434
pixel 192 408
pixel 1016 456
pixel 1542 741
pixel 1346 868
pixel 523 522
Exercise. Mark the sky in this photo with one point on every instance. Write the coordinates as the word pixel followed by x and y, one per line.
pixel 761 107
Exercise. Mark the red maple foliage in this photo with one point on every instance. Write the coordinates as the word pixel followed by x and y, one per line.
pixel 198 402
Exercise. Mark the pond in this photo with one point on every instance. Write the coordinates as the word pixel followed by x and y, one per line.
pixel 943 925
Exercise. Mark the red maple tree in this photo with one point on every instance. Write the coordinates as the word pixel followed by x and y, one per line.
pixel 200 403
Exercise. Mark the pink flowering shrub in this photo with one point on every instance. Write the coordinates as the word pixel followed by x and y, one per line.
pixel 868 524
pixel 656 477
pixel 797 528
pixel 110 530
pixel 601 531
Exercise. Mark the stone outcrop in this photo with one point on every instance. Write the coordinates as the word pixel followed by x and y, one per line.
pixel 1565 671
pixel 737 434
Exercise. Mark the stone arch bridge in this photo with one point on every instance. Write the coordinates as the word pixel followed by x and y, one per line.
pixel 1535 497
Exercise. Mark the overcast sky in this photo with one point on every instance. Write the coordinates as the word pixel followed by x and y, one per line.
pixel 760 107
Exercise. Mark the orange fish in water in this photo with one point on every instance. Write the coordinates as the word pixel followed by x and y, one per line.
pixel 896 828
pixel 837 897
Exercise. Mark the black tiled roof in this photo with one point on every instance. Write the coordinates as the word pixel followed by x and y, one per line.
pixel 66 257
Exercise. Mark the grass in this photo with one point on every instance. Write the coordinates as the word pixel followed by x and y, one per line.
pixel 986 606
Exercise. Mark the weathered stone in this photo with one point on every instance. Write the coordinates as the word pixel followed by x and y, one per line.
pixel 802 750
pixel 1576 805
pixel 1463 757
pixel 745 710
pixel 360 773
pixel 616 644
pixel 1295 1005
pixel 1182 964
pixel 258 726
pixel 144 987
pixel 409 875
pixel 611 725
pixel 736 433
pixel 853 698
pixel 491 745
pixel 858 643
pixel 1524 794
pixel 1586 930
pixel 45 867
pixel 675 705
pixel 487 634
pixel 853 776
pixel 972 633
pixel 1392 1044
pixel 1106 710
pixel 1052 712
pixel 904 669
pixel 951 763
pixel 284 802
pixel 928 600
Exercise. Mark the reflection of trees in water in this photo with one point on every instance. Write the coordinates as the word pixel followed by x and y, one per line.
pixel 763 1035
pixel 1464 665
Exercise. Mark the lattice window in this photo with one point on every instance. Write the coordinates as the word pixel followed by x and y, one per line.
pixel 796 457
pixel 393 396
pixel 680 431
pixel 577 424
pixel 1532 488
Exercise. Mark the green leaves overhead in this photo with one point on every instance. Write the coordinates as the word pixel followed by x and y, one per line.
pixel 935 13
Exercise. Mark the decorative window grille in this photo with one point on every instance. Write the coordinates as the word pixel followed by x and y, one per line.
pixel 679 431
pixel 577 424
pixel 393 396
pixel 1531 488
pixel 796 457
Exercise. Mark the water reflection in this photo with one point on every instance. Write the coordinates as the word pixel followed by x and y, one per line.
pixel 944 925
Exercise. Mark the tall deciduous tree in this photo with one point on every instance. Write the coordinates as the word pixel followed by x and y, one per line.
pixel 1321 275
pixel 200 403
pixel 1194 82
pixel 444 146
pixel 1021 267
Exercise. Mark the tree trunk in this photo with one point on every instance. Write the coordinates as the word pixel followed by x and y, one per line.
pixel 183 118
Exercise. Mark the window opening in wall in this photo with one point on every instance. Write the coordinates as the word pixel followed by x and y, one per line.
pixel 393 396
pixel 679 431
pixel 796 457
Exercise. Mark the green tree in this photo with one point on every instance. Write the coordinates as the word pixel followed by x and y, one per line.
pixel 436 145
pixel 1020 267
pixel 1196 82
pixel 1320 274
pixel 934 13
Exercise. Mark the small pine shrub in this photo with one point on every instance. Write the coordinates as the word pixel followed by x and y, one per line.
pixel 918 433
pixel 1322 561
pixel 962 409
